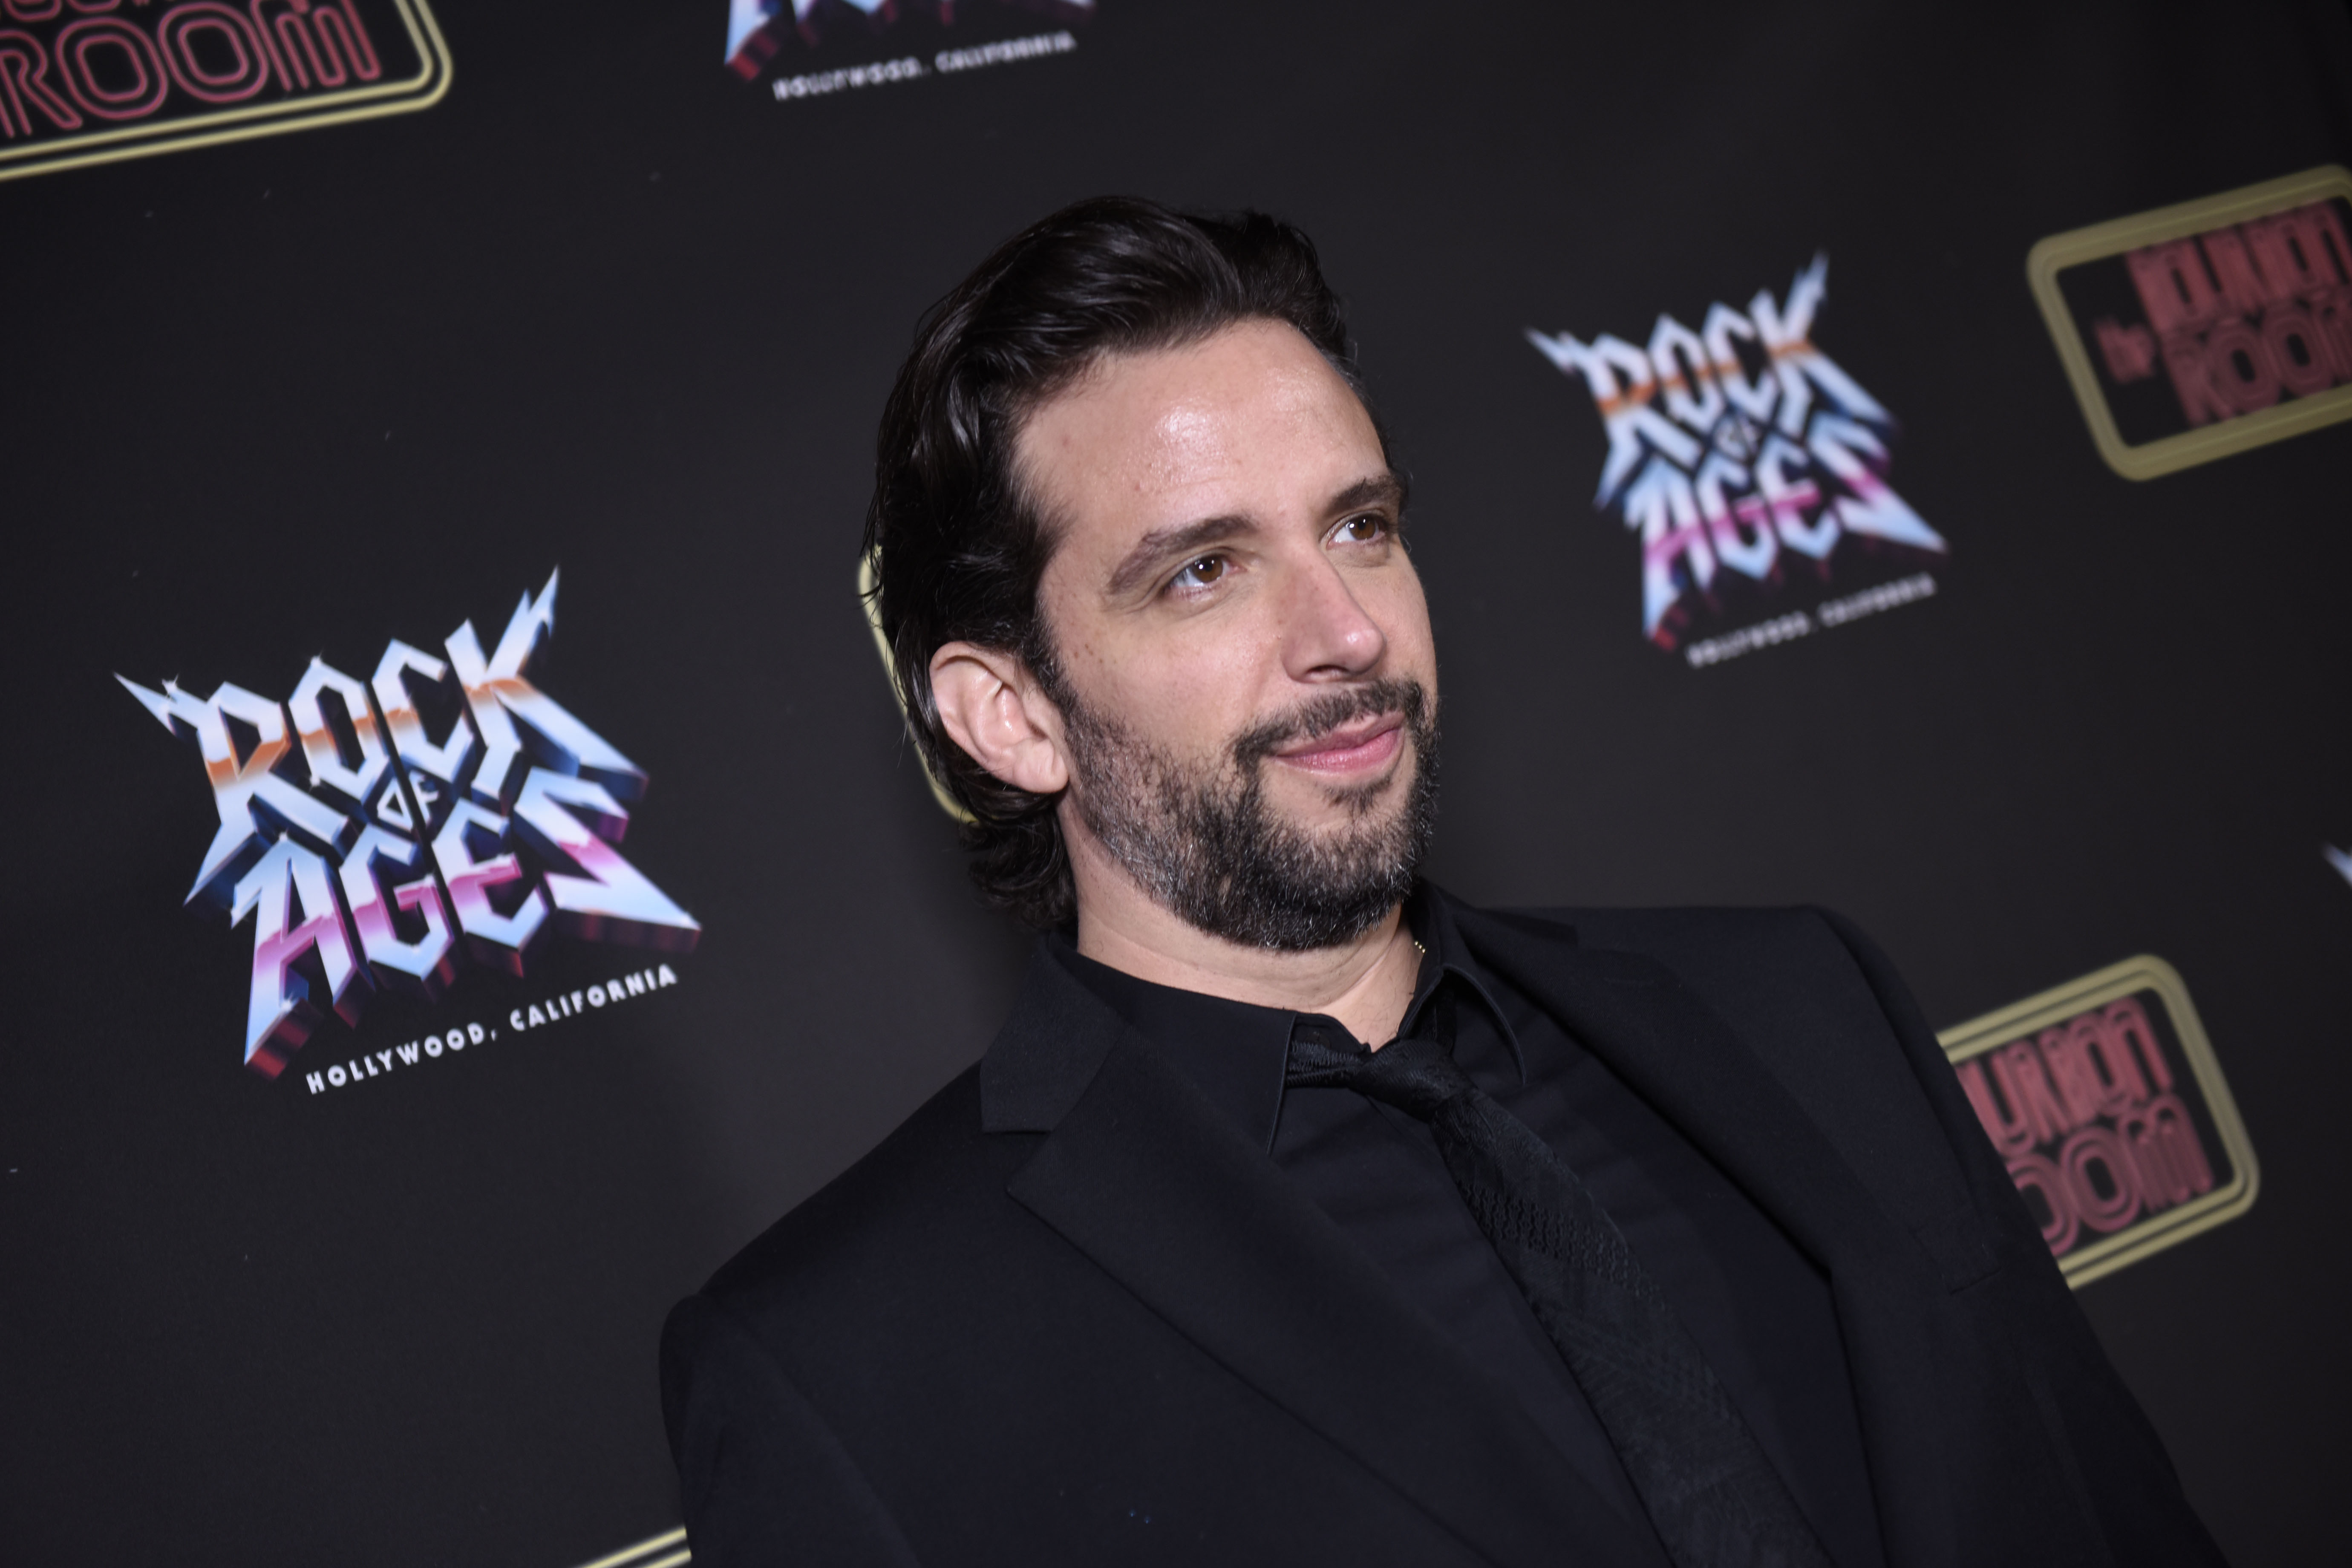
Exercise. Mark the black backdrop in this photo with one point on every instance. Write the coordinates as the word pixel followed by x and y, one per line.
pixel 611 307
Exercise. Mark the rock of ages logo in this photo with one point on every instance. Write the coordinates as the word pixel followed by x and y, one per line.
pixel 1747 460
pixel 371 855
pixel 758 29
pixel 2201 330
pixel 88 81
pixel 2105 1100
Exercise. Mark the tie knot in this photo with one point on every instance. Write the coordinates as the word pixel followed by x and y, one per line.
pixel 1417 1076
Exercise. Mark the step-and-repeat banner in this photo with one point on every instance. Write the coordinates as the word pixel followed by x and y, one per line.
pixel 466 875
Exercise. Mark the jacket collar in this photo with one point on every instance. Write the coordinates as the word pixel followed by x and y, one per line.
pixel 1150 1179
pixel 1049 1051
pixel 1677 1053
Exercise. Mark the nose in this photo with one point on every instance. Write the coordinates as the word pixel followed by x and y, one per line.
pixel 1326 634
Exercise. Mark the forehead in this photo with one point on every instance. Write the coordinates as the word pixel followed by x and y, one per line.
pixel 1233 424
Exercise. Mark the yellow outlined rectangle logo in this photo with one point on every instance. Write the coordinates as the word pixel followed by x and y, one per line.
pixel 2105 1100
pixel 2197 330
pixel 79 88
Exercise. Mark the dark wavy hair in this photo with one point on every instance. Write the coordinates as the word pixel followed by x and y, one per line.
pixel 957 548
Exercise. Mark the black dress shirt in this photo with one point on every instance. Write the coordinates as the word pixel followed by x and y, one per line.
pixel 1758 1306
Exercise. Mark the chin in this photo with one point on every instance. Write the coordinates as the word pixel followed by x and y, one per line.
pixel 1349 806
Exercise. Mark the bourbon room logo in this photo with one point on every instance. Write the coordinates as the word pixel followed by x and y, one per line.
pixel 2103 1097
pixel 2201 330
pixel 88 81
pixel 373 855
pixel 1752 467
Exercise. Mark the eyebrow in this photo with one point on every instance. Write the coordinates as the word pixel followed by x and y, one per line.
pixel 1375 489
pixel 1181 538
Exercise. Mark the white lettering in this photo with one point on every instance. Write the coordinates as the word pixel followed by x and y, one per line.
pixel 1869 602
pixel 815 84
pixel 1010 49
pixel 1747 639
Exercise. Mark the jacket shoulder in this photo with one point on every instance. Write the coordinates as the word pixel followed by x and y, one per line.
pixel 929 1183
pixel 1695 932
pixel 1808 994
pixel 1770 969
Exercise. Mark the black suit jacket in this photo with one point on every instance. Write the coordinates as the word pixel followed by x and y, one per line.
pixel 1068 1313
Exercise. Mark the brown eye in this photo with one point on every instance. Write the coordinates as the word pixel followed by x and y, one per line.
pixel 1363 529
pixel 1201 572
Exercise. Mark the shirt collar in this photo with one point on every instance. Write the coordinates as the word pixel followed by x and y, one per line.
pixel 1429 915
pixel 1236 1053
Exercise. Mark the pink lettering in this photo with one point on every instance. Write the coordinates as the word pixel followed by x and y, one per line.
pixel 2130 1026
pixel 2202 401
pixel 325 44
pixel 79 42
pixel 2295 250
pixel 2245 315
pixel 2171 1162
pixel 2299 353
pixel 2078 1085
pixel 2086 1116
pixel 340 33
pixel 2009 1134
pixel 2037 1178
pixel 2243 284
pixel 2130 351
pixel 24 83
pixel 2106 1053
pixel 2331 314
pixel 2100 1179
pixel 232 37
pixel 2018 1068
pixel 2319 231
pixel 2239 363
pixel 2174 289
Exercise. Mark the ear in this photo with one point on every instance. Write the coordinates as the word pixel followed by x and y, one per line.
pixel 993 710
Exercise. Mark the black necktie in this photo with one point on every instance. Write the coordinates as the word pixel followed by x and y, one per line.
pixel 1714 1498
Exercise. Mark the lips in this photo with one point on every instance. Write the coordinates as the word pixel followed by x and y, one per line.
pixel 1367 743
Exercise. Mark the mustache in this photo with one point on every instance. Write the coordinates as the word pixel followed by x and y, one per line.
pixel 1319 716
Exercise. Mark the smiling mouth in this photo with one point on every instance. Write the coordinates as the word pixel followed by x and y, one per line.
pixel 1367 743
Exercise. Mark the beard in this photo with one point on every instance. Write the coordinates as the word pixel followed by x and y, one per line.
pixel 1198 836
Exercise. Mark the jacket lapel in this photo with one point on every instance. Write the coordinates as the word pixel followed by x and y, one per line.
pixel 1142 1175
pixel 1672 1049
pixel 1680 1056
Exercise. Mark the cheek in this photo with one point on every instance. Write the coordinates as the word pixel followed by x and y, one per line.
pixel 1189 696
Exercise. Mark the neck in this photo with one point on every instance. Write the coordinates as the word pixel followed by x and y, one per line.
pixel 1366 983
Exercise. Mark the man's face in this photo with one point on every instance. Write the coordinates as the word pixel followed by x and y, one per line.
pixel 1247 674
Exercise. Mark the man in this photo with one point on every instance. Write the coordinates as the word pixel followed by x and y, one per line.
pixel 1299 1213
